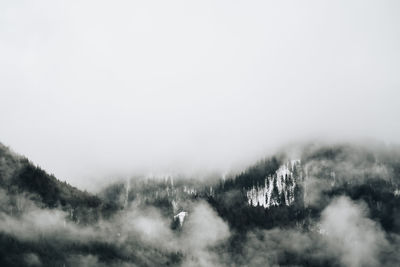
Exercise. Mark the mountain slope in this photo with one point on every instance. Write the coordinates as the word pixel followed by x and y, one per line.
pixel 279 211
pixel 19 176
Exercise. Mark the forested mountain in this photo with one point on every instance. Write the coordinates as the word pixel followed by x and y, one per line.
pixel 330 205
pixel 19 176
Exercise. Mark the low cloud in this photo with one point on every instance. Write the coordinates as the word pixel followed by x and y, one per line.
pixel 32 259
pixel 350 234
pixel 136 235
pixel 343 236
pixel 201 235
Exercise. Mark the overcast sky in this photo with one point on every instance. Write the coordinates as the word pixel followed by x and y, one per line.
pixel 94 88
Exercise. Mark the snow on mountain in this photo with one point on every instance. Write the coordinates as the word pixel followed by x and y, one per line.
pixel 278 189
pixel 396 192
pixel 181 217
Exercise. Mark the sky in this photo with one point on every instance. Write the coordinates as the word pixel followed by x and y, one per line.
pixel 93 89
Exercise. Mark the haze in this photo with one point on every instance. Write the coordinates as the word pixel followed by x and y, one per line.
pixel 93 89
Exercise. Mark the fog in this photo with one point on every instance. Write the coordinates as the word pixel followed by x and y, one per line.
pixel 344 235
pixel 94 88
pixel 136 233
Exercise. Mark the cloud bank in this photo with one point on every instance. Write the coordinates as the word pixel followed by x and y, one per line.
pixel 343 235
pixel 97 88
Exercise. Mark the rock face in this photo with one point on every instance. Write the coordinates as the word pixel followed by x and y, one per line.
pixel 277 189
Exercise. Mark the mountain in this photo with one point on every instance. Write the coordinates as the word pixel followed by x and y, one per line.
pixel 19 176
pixel 299 189
pixel 304 208
pixel 46 222
pixel 280 190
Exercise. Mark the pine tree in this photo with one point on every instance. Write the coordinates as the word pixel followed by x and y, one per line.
pixel 282 198
pixel 275 191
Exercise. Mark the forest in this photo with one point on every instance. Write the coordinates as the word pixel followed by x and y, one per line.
pixel 312 202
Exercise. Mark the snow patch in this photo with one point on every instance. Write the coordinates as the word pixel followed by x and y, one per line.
pixel 284 183
pixel 396 192
pixel 181 217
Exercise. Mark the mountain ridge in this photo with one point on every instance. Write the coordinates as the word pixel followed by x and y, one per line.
pixel 276 194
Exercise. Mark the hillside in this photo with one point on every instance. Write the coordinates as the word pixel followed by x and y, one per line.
pixel 19 176
pixel 317 200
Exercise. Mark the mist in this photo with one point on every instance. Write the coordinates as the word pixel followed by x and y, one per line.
pixel 343 236
pixel 97 89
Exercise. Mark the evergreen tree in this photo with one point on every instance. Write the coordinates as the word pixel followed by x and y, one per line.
pixel 275 191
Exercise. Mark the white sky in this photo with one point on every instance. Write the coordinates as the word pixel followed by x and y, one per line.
pixel 92 88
